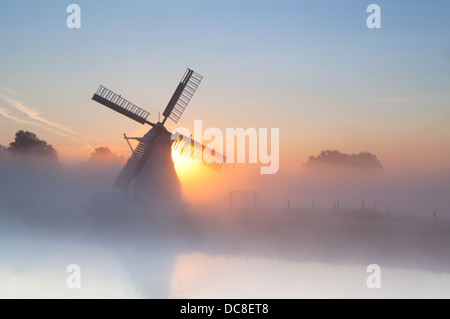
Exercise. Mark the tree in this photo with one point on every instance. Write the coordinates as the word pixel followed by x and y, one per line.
pixel 3 150
pixel 27 143
pixel 104 154
pixel 335 158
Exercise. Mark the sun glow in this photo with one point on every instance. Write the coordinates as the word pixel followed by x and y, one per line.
pixel 196 179
pixel 186 167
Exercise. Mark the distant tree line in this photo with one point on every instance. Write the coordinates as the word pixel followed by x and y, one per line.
pixel 334 158
pixel 104 154
pixel 27 145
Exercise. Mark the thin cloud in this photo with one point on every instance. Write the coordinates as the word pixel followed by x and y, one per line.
pixel 9 91
pixel 6 114
pixel 49 125
pixel 37 116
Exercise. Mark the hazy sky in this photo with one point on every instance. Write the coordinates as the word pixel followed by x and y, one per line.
pixel 311 68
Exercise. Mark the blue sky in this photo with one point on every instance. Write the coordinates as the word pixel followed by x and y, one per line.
pixel 311 68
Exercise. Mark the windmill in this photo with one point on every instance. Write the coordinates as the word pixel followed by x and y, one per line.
pixel 149 174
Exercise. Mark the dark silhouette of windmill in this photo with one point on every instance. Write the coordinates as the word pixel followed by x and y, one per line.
pixel 149 173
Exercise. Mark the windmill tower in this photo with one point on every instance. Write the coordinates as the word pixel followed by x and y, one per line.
pixel 149 174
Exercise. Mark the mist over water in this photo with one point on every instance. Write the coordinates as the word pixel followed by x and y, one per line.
pixel 50 217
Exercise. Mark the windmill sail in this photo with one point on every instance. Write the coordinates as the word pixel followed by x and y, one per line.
pixel 182 95
pixel 132 166
pixel 119 104
pixel 198 152
pixel 150 165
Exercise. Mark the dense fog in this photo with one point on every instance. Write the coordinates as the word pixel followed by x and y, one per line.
pixel 54 215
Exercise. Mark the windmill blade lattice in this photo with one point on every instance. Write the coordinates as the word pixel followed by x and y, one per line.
pixel 131 167
pixel 116 102
pixel 198 152
pixel 182 95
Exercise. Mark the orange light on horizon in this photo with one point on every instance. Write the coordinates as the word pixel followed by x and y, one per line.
pixel 195 178
pixel 185 166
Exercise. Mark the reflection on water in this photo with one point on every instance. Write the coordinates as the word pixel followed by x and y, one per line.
pixel 35 266
pixel 27 273
pixel 200 276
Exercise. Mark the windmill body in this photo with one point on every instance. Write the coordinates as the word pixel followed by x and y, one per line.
pixel 156 181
